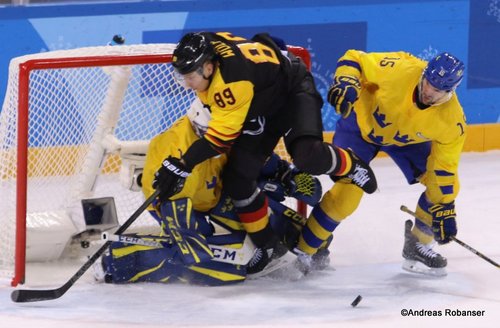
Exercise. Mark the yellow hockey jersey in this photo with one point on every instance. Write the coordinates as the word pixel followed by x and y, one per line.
pixel 203 186
pixel 387 115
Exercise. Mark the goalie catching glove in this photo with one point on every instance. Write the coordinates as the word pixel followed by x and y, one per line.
pixel 343 94
pixel 170 178
pixel 280 179
pixel 444 224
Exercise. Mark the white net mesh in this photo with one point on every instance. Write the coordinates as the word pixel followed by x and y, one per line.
pixel 70 111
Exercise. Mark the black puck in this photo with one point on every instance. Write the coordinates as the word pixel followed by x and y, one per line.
pixel 118 39
pixel 356 301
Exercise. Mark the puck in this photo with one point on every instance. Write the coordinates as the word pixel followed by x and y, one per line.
pixel 356 301
pixel 118 39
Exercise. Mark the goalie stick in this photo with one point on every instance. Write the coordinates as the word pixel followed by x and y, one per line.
pixel 455 239
pixel 34 295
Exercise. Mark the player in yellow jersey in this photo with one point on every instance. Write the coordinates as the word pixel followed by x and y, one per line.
pixel 204 185
pixel 406 107
pixel 189 249
pixel 256 92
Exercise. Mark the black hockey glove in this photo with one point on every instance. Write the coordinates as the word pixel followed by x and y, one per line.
pixel 444 224
pixel 343 93
pixel 170 178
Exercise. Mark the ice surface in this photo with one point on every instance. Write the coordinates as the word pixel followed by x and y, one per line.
pixel 366 260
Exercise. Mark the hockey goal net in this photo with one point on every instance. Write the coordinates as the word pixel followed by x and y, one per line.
pixel 66 119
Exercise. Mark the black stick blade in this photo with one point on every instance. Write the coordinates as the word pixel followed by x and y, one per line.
pixel 32 295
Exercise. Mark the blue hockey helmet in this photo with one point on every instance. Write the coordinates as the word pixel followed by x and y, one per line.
pixel 444 72
pixel 192 52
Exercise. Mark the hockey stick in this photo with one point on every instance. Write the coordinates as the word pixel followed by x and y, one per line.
pixel 32 295
pixel 455 239
pixel 236 256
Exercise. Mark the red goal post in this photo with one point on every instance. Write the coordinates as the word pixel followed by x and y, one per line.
pixel 58 108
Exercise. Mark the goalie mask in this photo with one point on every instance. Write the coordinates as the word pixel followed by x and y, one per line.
pixel 199 115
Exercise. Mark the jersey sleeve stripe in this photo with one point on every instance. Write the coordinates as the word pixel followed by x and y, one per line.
pixel 349 63
pixel 220 146
pixel 220 135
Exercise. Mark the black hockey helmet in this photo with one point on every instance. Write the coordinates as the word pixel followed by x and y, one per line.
pixel 192 51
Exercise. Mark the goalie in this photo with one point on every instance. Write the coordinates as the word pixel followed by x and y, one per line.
pixel 188 249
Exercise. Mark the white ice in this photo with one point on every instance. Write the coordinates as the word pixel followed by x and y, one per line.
pixel 366 260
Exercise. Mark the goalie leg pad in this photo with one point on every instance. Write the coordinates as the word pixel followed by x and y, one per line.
pixel 214 273
pixel 177 222
pixel 286 223
pixel 127 263
pixel 224 215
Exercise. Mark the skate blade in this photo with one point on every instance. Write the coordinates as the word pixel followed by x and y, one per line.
pixel 274 265
pixel 420 268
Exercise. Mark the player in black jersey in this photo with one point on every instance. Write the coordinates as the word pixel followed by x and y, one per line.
pixel 257 92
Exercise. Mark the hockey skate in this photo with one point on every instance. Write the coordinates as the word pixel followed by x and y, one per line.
pixel 321 260
pixel 269 259
pixel 306 263
pixel 420 258
pixel 303 262
pixel 360 175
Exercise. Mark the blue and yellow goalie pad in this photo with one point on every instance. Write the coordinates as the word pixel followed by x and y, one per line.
pixel 129 263
pixel 178 222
